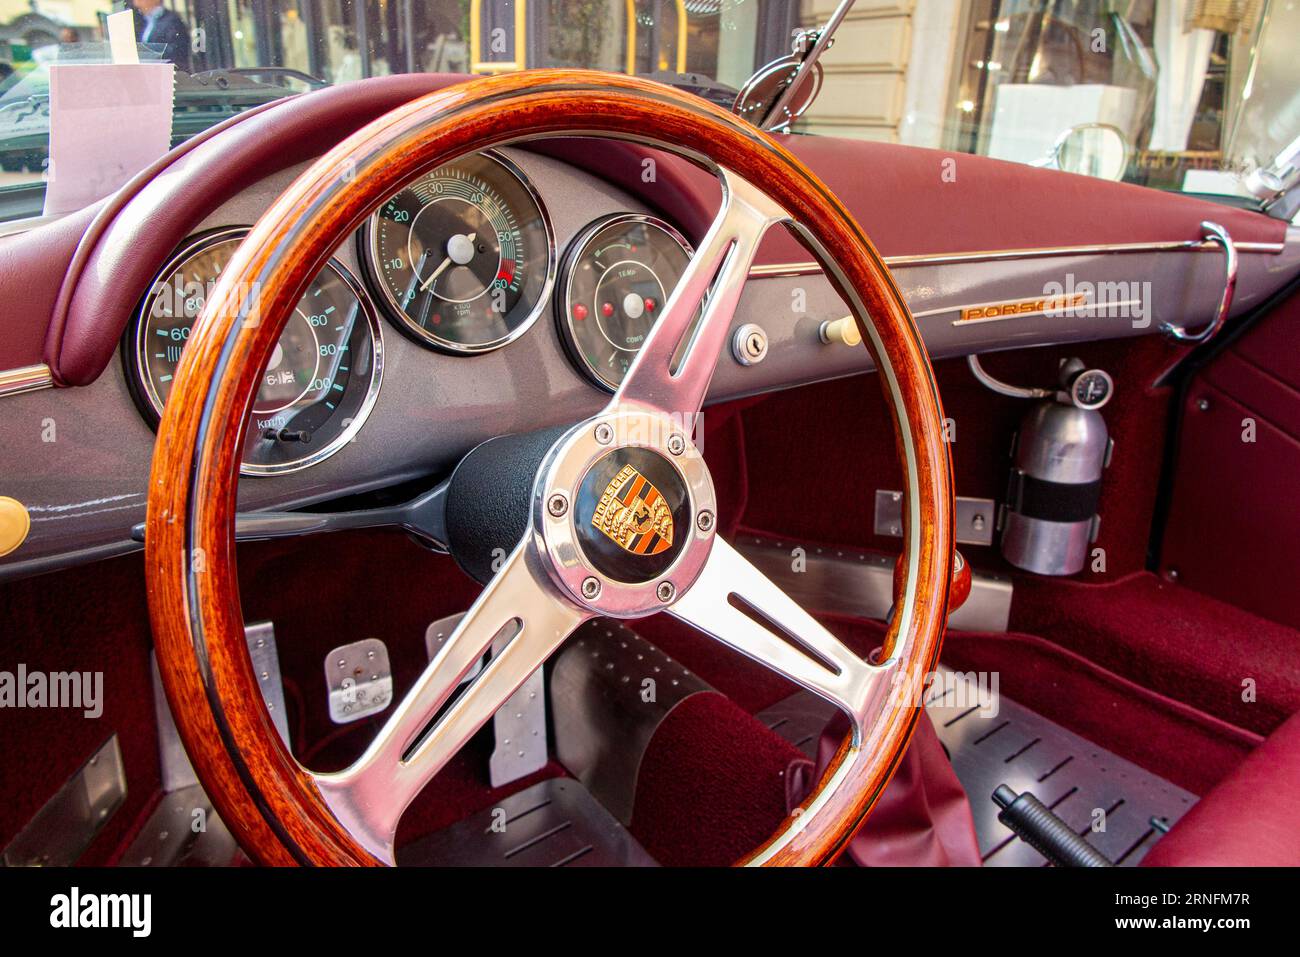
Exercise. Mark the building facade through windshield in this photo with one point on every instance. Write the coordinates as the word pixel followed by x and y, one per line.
pixel 1005 78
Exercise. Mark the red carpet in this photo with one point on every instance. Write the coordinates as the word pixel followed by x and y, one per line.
pixel 1173 640
pixel 1168 738
pixel 712 784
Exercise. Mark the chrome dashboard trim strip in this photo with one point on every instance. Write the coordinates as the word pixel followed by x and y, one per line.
pixel 32 378
pixel 1043 252
pixel 26 379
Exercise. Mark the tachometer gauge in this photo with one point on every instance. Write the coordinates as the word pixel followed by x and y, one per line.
pixel 614 281
pixel 463 258
pixel 322 378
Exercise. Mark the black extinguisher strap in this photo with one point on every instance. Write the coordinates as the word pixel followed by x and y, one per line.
pixel 1052 501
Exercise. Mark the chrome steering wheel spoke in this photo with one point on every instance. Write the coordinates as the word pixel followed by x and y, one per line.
pixel 715 277
pixel 425 730
pixel 792 642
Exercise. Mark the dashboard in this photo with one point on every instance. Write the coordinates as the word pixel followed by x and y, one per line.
pixel 462 261
pixel 509 292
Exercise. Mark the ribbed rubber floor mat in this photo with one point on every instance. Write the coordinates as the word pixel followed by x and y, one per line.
pixel 556 823
pixel 1118 807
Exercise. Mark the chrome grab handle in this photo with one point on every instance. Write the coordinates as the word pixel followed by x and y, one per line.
pixel 1216 234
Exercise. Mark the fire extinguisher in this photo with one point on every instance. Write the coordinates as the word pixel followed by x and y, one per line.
pixel 1050 515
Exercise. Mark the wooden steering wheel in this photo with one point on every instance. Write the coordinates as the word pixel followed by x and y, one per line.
pixel 560 573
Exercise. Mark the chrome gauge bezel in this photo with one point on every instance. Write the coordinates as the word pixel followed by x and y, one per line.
pixel 574 252
pixel 368 254
pixel 146 395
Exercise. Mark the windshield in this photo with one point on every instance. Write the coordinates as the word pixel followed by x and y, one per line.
pixel 1143 90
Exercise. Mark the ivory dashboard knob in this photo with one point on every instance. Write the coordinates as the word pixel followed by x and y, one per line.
pixel 15 523
pixel 841 330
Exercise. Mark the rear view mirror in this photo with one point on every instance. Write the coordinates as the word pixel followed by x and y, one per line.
pixel 1092 149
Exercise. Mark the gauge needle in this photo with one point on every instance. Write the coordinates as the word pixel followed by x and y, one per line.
pixel 460 250
pixel 415 276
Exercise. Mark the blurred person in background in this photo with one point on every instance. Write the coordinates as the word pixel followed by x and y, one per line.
pixel 159 27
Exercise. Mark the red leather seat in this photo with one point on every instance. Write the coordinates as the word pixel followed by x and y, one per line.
pixel 1250 819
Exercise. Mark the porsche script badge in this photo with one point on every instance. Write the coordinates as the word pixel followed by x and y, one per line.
pixel 633 514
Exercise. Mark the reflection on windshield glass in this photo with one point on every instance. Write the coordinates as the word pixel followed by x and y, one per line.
pixel 1005 78
pixel 1264 136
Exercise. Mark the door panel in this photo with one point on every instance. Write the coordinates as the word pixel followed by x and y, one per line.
pixel 1234 528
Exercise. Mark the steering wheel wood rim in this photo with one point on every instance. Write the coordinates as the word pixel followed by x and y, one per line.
pixel 271 803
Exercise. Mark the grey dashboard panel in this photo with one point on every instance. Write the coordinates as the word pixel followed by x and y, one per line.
pixel 79 458
pixel 1137 293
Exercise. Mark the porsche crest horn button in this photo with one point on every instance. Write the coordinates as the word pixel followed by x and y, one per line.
pixel 633 514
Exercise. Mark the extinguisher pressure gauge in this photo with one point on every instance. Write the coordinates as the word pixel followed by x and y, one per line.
pixel 1091 389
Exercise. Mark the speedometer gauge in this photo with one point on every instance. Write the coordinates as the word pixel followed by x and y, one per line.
pixel 615 279
pixel 320 382
pixel 463 258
